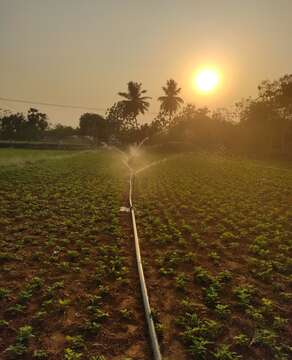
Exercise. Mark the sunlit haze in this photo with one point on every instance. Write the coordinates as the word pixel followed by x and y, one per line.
pixel 84 52
pixel 206 80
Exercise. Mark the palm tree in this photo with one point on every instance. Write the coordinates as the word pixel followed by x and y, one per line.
pixel 135 103
pixel 171 102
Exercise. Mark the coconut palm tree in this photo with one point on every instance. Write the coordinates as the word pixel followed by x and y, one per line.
pixel 171 102
pixel 134 103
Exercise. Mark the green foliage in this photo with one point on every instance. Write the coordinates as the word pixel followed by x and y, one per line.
pixel 223 311
pixel 198 348
pixel 92 327
pixel 241 340
pixel 134 103
pixel 19 349
pixel 215 257
pixel 54 209
pixel 224 353
pixel 244 295
pixel 40 354
pixel 24 334
pixel 16 309
pixel 126 314
pixel 240 240
pixel 202 276
pixel 72 255
pixel 3 293
pixel 181 281
pixel 188 208
pixel 3 324
pixel 76 342
pixel 70 354
pixel 16 351
pixel 211 296
pixel 18 127
pixel 279 322
pixel 224 277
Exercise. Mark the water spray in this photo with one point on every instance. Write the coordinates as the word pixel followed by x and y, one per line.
pixel 134 152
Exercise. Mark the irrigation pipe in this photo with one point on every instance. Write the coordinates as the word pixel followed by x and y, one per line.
pixel 147 309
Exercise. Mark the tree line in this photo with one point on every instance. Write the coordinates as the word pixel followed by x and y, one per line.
pixel 261 125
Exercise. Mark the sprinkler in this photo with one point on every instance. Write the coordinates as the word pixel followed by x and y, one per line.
pixel 134 151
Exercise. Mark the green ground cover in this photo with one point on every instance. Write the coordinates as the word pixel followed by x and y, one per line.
pixel 68 288
pixel 217 238
pixel 10 156
pixel 216 246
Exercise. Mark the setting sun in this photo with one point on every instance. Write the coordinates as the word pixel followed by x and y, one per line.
pixel 206 80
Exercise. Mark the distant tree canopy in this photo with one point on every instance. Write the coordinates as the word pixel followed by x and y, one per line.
pixel 93 125
pixel 170 102
pixel 134 103
pixel 263 126
pixel 199 127
pixel 266 122
pixel 20 127
pixel 260 126
pixel 118 119
pixel 61 132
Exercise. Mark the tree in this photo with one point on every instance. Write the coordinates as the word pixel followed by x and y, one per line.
pixel 60 132
pixel 275 102
pixel 135 103
pixel 115 117
pixel 161 121
pixel 17 127
pixel 12 126
pixel 260 126
pixel 93 125
pixel 170 102
pixel 35 125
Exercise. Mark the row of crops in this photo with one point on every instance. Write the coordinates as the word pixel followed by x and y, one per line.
pixel 68 282
pixel 216 247
pixel 216 239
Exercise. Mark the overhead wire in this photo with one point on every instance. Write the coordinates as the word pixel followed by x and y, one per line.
pixel 41 103
pixel 32 102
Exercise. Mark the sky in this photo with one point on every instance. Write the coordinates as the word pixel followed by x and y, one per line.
pixel 84 52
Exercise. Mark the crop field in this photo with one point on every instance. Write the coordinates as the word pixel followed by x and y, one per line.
pixel 216 239
pixel 68 284
pixel 13 157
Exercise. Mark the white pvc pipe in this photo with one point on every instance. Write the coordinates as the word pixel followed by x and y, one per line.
pixel 147 309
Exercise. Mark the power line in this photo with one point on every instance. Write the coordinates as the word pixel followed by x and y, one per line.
pixel 31 102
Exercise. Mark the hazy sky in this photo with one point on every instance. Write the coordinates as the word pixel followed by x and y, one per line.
pixel 84 52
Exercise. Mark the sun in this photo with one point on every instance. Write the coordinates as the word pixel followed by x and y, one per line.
pixel 206 80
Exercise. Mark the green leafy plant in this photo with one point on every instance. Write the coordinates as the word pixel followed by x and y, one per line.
pixel 3 293
pixel 241 340
pixel 40 354
pixel 224 353
pixel 223 311
pixel 76 342
pixel 16 351
pixel 126 314
pixel 181 281
pixel 70 354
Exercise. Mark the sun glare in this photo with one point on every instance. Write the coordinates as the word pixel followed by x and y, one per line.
pixel 206 80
